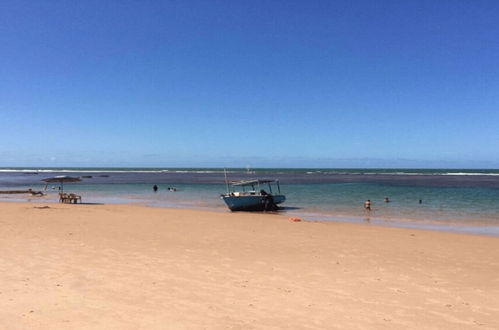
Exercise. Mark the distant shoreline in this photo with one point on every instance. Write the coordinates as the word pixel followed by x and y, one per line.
pixel 360 170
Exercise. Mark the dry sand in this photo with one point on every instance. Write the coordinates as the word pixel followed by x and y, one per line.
pixel 131 267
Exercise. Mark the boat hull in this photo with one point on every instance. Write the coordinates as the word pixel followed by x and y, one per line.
pixel 252 202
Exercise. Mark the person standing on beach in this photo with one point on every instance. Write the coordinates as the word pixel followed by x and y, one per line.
pixel 367 205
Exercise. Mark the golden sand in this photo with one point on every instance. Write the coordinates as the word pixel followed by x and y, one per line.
pixel 132 267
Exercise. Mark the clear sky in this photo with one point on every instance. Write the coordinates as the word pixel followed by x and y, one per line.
pixel 249 83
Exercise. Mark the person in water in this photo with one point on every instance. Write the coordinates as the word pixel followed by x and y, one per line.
pixel 367 205
pixel 387 200
pixel 155 188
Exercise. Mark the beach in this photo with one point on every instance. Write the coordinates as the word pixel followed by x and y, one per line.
pixel 138 267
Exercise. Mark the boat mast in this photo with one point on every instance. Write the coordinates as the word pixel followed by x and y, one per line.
pixel 226 182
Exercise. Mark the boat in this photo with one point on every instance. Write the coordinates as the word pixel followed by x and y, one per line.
pixel 251 195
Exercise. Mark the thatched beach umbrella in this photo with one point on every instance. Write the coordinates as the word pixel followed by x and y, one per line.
pixel 61 179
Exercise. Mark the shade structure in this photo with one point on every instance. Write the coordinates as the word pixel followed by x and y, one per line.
pixel 61 179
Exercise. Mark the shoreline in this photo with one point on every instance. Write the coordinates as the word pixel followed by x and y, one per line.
pixel 129 267
pixel 476 226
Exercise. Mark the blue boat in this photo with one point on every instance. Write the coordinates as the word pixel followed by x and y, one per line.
pixel 251 195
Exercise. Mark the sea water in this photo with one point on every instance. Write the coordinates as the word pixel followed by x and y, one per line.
pixel 463 200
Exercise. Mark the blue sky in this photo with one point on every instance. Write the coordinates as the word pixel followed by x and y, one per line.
pixel 258 83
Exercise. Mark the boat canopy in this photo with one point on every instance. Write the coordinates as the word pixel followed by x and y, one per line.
pixel 252 182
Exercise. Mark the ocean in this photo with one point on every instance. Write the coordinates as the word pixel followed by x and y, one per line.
pixel 463 200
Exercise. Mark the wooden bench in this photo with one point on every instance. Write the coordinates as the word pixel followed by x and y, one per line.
pixel 74 198
pixel 69 198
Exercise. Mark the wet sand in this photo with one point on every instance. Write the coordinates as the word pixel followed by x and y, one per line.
pixel 133 267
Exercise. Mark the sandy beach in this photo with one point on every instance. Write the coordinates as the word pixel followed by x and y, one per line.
pixel 133 267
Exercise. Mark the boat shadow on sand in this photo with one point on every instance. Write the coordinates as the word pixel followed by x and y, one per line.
pixel 280 209
pixel 288 208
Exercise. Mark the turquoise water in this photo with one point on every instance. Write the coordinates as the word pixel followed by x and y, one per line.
pixel 463 200
pixel 438 203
